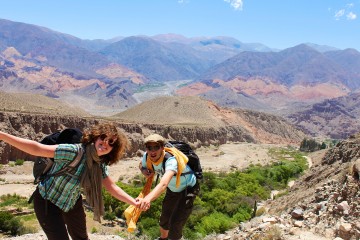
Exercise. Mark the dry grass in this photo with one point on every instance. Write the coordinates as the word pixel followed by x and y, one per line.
pixel 35 103
pixel 186 111
pixel 175 110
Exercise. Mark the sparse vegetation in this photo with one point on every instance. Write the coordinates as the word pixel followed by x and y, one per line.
pixel 19 162
pixel 37 104
pixel 110 216
pixel 226 198
pixel 273 233
pixel 260 211
pixel 311 145
pixel 13 200
pixel 331 142
pixel 15 225
pixel 148 87
pixel 10 224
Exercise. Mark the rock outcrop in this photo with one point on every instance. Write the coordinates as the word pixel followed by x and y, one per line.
pixel 322 205
pixel 36 126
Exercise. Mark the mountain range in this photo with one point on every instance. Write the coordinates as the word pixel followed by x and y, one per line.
pixel 105 77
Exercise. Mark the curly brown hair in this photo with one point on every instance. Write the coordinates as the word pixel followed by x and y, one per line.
pixel 120 145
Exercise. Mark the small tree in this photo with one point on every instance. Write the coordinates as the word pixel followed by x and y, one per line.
pixel 309 145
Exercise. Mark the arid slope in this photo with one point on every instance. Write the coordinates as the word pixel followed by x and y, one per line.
pixel 190 111
pixel 36 103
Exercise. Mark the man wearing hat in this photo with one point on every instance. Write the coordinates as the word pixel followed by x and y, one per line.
pixel 177 179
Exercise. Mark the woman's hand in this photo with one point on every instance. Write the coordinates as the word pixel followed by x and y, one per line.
pixel 137 202
pixel 144 204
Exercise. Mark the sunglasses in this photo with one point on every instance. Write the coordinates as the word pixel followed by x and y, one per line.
pixel 110 141
pixel 153 148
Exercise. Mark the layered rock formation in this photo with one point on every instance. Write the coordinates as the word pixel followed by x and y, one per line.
pixel 36 126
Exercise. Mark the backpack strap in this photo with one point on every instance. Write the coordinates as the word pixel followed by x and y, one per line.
pixel 166 157
pixel 70 167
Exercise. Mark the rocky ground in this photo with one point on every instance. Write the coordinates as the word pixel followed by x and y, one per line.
pixel 229 156
pixel 322 204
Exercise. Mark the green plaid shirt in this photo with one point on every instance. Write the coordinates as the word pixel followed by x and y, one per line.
pixel 64 190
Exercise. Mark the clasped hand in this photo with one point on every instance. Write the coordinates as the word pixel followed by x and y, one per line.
pixel 143 204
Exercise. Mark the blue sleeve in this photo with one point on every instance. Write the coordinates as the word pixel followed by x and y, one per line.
pixel 143 161
pixel 171 164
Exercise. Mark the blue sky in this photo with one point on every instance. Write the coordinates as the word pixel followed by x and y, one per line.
pixel 277 24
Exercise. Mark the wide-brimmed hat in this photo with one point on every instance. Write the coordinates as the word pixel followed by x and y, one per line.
pixel 154 138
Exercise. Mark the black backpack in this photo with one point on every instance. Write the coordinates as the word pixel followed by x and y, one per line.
pixel 194 160
pixel 43 165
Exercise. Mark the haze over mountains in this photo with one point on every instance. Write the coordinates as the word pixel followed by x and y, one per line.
pixel 105 77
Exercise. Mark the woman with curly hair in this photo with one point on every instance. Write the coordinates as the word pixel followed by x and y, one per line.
pixel 64 215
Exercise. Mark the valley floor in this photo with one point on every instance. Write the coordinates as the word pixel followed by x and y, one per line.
pixel 18 179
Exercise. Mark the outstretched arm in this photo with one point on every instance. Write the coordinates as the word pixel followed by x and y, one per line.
pixel 117 192
pixel 29 146
pixel 157 191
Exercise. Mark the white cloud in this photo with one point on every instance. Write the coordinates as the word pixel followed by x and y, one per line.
pixel 339 14
pixel 351 16
pixel 345 12
pixel 237 4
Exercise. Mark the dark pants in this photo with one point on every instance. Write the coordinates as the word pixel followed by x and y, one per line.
pixel 176 209
pixel 57 223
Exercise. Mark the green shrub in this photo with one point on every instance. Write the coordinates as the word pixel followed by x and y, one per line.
pixel 149 227
pixel 243 214
pixel 198 213
pixel 13 200
pixel 310 145
pixel 110 216
pixel 111 203
pixel 10 224
pixel 214 223
pixel 19 162
pixel 225 200
pixel 192 234
pixel 216 199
